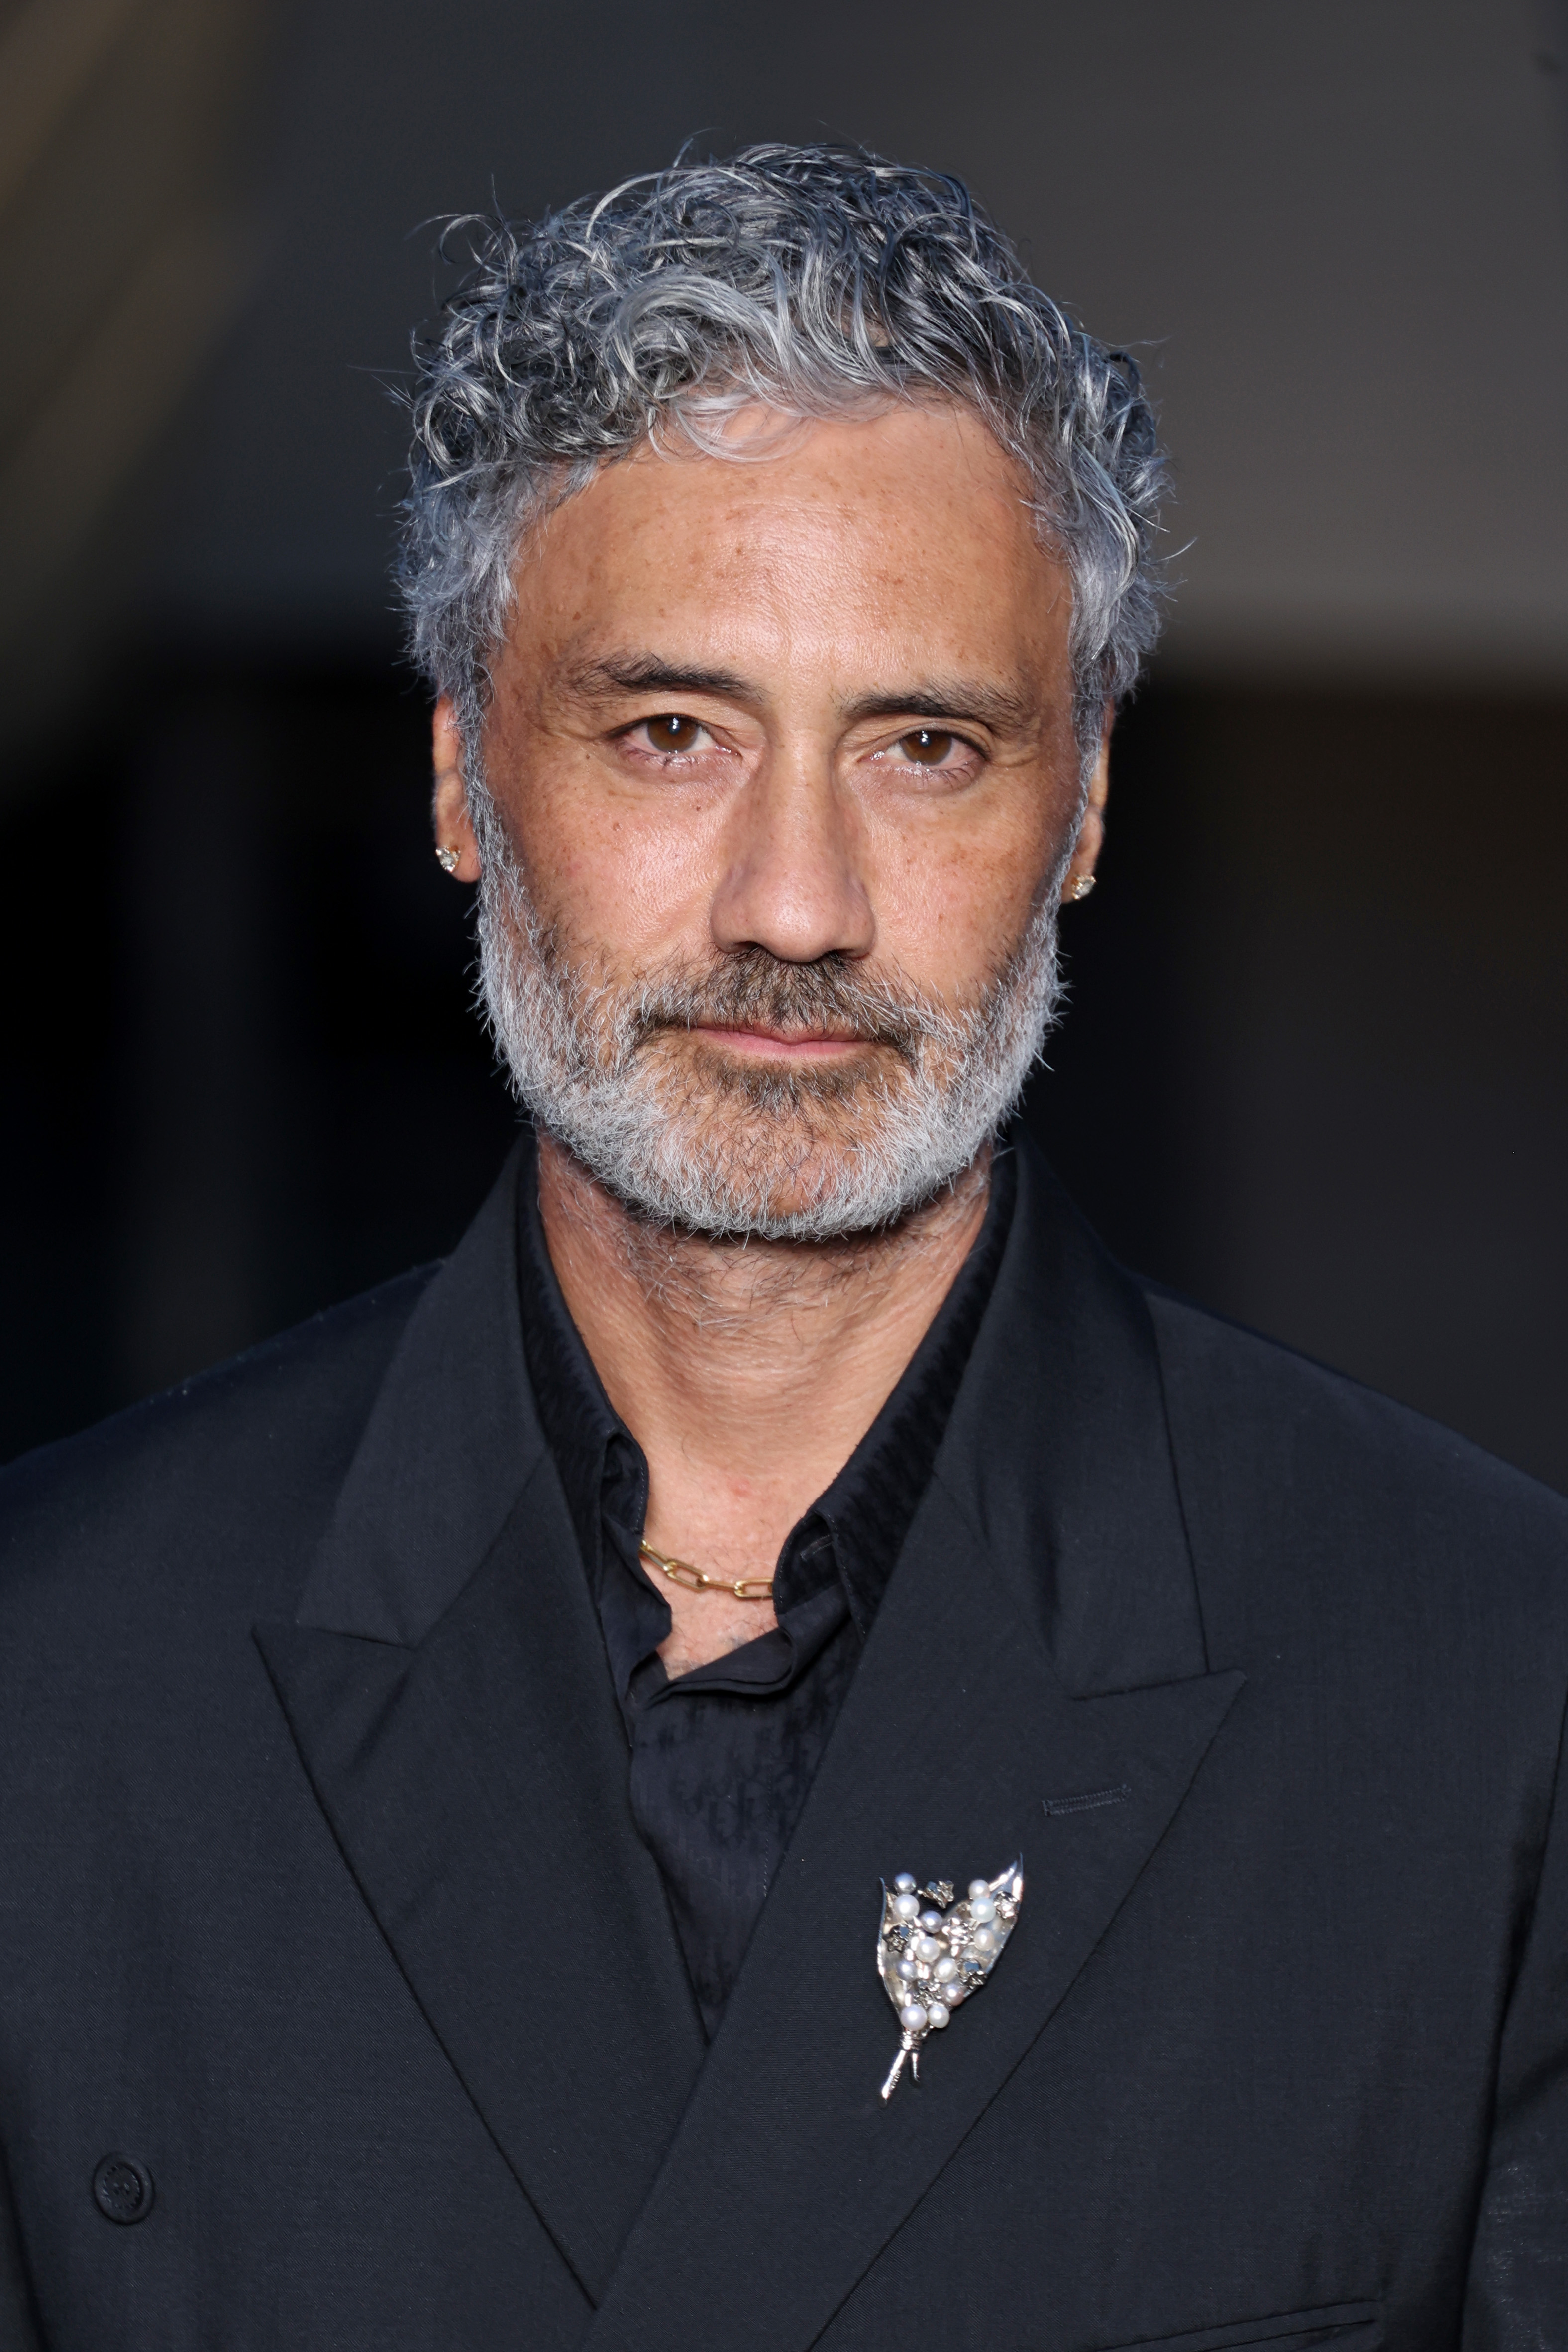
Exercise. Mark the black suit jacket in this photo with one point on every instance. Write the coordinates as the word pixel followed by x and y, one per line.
pixel 320 1897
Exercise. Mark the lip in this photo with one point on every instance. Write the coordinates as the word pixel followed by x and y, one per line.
pixel 779 1045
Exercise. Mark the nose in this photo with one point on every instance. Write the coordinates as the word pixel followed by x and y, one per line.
pixel 792 882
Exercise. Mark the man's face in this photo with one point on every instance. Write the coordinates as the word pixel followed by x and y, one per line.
pixel 783 751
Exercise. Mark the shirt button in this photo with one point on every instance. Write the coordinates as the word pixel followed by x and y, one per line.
pixel 122 2188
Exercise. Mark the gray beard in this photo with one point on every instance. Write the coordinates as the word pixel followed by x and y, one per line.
pixel 690 1141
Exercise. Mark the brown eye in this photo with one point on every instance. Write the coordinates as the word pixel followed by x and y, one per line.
pixel 928 747
pixel 671 733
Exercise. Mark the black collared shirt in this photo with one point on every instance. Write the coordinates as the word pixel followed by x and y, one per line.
pixel 722 1758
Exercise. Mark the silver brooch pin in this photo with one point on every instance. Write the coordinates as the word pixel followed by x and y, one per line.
pixel 933 1954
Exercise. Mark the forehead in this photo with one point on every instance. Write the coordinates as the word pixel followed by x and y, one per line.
pixel 902 532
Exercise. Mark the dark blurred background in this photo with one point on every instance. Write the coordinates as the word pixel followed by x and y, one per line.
pixel 1315 1071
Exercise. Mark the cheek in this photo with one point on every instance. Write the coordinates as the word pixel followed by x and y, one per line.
pixel 630 874
pixel 950 906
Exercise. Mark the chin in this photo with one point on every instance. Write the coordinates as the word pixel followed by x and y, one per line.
pixel 763 1164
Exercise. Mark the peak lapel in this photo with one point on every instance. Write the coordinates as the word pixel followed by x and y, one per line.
pixel 447 1691
pixel 1040 1640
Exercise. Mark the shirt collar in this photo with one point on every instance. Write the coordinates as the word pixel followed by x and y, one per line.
pixel 869 1505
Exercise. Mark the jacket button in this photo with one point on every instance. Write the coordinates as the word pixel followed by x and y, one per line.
pixel 122 2188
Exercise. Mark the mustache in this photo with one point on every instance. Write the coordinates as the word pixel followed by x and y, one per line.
pixel 751 987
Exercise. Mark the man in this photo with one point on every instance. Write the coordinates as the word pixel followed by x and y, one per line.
pixel 497 1782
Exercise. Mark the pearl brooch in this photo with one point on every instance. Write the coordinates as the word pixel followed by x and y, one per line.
pixel 942 1952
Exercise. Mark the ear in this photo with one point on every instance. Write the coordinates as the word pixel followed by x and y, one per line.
pixel 449 801
pixel 1079 878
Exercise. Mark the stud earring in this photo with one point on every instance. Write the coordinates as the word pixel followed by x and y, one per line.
pixel 1084 884
pixel 447 858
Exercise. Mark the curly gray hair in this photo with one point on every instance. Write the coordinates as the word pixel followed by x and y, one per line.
pixel 818 280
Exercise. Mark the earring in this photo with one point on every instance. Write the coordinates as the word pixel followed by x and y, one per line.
pixel 447 858
pixel 1084 884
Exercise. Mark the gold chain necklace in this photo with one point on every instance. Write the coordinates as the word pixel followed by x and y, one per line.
pixel 696 1579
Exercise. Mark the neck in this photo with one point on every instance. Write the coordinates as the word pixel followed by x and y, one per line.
pixel 748 1373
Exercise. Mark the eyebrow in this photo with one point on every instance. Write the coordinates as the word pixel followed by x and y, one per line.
pixel 599 681
pixel 945 698
pixel 942 698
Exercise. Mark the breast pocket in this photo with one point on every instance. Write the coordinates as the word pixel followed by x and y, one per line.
pixel 1346 2327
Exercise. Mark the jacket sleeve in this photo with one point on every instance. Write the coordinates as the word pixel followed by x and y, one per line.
pixel 1517 2299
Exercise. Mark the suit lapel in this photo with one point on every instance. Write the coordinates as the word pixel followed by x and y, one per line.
pixel 1040 1640
pixel 446 1687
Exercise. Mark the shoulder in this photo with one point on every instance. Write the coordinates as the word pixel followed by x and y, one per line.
pixel 213 1487
pixel 1290 1472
